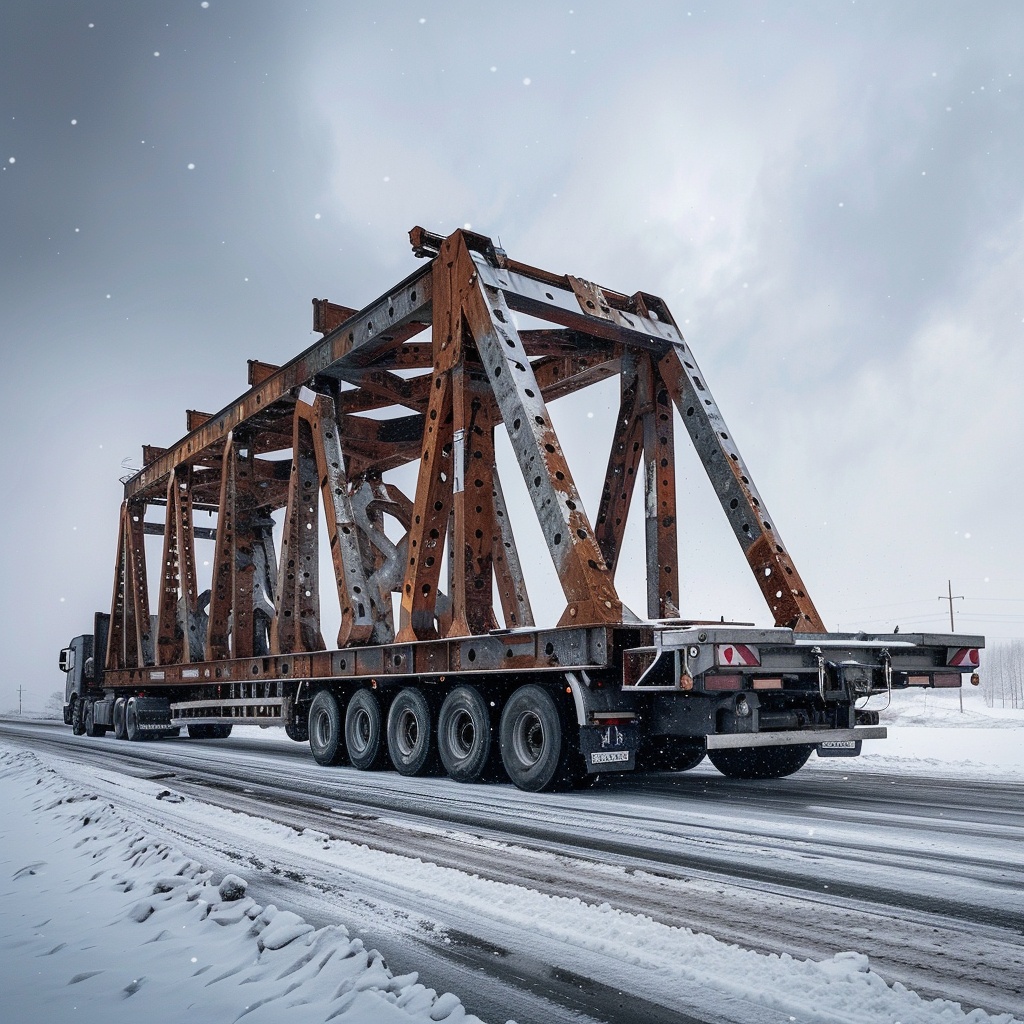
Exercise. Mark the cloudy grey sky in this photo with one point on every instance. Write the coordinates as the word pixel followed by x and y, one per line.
pixel 829 196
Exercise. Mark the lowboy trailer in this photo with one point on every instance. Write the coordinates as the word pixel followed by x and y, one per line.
pixel 428 678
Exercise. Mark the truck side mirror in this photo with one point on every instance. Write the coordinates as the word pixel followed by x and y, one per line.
pixel 66 660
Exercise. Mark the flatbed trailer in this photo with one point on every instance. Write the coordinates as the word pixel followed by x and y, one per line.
pixel 428 679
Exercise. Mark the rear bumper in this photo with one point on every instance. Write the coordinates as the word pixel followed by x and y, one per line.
pixel 732 741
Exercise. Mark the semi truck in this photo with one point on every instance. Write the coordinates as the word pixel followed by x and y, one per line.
pixel 438 665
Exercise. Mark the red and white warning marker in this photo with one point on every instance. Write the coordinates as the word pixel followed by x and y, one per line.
pixel 738 655
pixel 963 657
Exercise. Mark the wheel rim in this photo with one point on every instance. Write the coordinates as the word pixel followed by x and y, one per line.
pixel 322 728
pixel 528 740
pixel 461 734
pixel 407 732
pixel 360 739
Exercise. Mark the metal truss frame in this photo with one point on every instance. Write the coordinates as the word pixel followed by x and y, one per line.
pixel 425 375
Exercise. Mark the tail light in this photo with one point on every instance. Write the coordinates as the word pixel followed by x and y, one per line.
pixel 712 682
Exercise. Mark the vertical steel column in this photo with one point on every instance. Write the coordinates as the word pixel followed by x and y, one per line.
pixel 243 624
pixel 659 494
pixel 186 547
pixel 142 640
pixel 168 633
pixel 473 533
pixel 508 570
pixel 116 655
pixel 297 611
pixel 222 589
pixel 433 500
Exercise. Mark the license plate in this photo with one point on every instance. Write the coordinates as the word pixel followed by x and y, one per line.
pixel 839 748
pixel 609 756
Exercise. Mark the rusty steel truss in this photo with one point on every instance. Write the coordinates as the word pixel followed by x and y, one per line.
pixel 426 374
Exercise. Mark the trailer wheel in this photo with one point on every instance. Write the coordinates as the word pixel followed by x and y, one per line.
pixel 533 742
pixel 199 732
pixel 761 762
pixel 464 734
pixel 120 732
pixel 131 721
pixel 364 731
pixel 91 728
pixel 325 729
pixel 412 744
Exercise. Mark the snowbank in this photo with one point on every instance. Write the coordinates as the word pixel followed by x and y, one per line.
pixel 102 922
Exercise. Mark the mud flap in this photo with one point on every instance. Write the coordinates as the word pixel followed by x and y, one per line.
pixel 609 748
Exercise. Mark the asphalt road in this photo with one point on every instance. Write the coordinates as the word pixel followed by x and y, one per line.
pixel 925 874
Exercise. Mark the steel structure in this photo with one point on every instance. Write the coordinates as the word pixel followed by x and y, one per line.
pixel 426 374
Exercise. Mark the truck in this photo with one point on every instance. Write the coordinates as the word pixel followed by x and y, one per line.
pixel 438 665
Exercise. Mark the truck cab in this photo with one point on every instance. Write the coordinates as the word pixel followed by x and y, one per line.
pixel 77 663
pixel 83 670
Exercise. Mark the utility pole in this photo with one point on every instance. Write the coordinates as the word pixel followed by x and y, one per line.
pixel 950 598
pixel 19 702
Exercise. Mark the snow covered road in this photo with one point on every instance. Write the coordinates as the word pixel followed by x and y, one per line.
pixel 542 907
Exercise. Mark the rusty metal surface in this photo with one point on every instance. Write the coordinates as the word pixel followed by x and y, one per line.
pixel 423 377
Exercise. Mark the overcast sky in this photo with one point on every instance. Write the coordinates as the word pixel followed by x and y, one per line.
pixel 829 196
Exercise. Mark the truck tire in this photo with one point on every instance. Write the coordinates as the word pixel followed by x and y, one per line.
pixel 91 728
pixel 412 741
pixel 325 729
pixel 670 754
pixel 209 731
pixel 761 762
pixel 131 721
pixel 120 732
pixel 77 725
pixel 464 735
pixel 364 731
pixel 533 741
pixel 299 729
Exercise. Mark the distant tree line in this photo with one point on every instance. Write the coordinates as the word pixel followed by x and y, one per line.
pixel 1002 676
